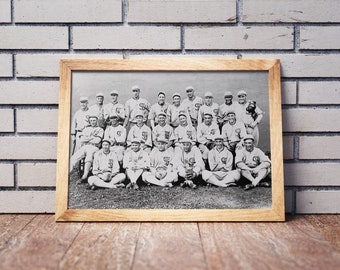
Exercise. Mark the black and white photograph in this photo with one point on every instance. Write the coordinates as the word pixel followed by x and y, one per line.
pixel 169 140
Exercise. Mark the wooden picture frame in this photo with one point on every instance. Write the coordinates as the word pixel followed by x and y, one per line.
pixel 159 68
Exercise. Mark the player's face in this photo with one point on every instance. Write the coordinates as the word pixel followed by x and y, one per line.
pixel 231 118
pixel 136 93
pixel 228 99
pixel 208 100
pixel 183 120
pixel 242 99
pixel 93 121
pixel 161 146
pixel 161 119
pixel 187 146
pixel 106 147
pixel 100 100
pixel 219 143
pixel 249 145
pixel 177 101
pixel 161 99
pixel 207 119
pixel 114 98
pixel 139 120
pixel 190 93
pixel 135 146
pixel 83 105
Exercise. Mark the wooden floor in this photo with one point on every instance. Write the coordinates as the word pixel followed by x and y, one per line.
pixel 37 242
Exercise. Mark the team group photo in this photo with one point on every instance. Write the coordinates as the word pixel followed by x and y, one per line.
pixel 169 140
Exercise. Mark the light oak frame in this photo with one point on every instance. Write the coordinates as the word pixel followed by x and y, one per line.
pixel 276 213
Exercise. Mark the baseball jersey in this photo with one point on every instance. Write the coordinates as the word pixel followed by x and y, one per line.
pixel 117 134
pixel 139 158
pixel 187 131
pixel 206 133
pixel 251 159
pixel 161 158
pixel 173 114
pixel 213 109
pixel 98 110
pixel 105 163
pixel 193 106
pixel 241 110
pixel 80 121
pixel 233 133
pixel 142 133
pixel 156 109
pixel 114 109
pixel 94 133
pixel 137 105
pixel 165 131
pixel 189 159
pixel 219 160
pixel 224 110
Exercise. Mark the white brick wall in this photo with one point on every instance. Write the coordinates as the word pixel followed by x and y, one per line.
pixel 36 34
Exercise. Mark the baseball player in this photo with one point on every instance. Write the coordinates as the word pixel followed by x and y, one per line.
pixel 116 135
pixel 220 163
pixel 225 108
pixel 135 161
pixel 135 105
pixel 206 133
pixel 160 107
pixel 163 130
pixel 162 172
pixel 98 110
pixel 243 104
pixel 208 107
pixel 114 108
pixel 253 164
pixel 193 104
pixel 79 122
pixel 91 140
pixel 233 131
pixel 105 169
pixel 142 132
pixel 176 109
pixel 184 130
pixel 189 163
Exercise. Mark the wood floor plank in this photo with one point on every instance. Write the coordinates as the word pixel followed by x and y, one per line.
pixel 10 225
pixel 328 226
pixel 40 245
pixel 291 245
pixel 103 246
pixel 169 246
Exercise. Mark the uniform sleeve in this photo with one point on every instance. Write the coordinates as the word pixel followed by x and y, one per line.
pixel 130 136
pixel 263 157
pixel 200 136
pixel 200 115
pixel 243 130
pixel 115 165
pixel 95 165
pixel 146 160
pixel 239 158
pixel 152 113
pixel 199 159
pixel 148 140
pixel 126 160
pixel 212 160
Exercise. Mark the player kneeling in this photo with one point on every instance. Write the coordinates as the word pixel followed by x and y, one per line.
pixel 220 162
pixel 162 172
pixel 105 169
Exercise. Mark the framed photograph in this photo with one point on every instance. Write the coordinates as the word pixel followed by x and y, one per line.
pixel 170 140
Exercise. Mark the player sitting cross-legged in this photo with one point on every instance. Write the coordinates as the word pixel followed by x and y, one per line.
pixel 220 163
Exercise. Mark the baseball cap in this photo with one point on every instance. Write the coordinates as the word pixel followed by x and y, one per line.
pixel 176 94
pixel 162 113
pixel 114 92
pixel 189 88
pixel 185 139
pixel 162 139
pixel 248 137
pixel 105 140
pixel 241 93
pixel 228 93
pixel 208 94
pixel 93 116
pixel 83 99
pixel 139 113
pixel 231 111
pixel 114 116
pixel 100 94
pixel 135 140
pixel 218 137
pixel 161 93
pixel 135 87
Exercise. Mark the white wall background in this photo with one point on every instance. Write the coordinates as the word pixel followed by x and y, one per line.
pixel 36 34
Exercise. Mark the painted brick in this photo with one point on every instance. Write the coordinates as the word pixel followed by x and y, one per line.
pixel 6 120
pixel 205 38
pixel 315 202
pixel 121 37
pixel 319 92
pixel 181 56
pixel 182 11
pixel 289 201
pixel 37 120
pixel 320 37
pixel 29 92
pixel 319 147
pixel 6 175
pixel 27 202
pixel 6 66
pixel 312 174
pixel 48 65
pixel 313 120
pixel 78 11
pixel 5 11
pixel 28 148
pixel 288 93
pixel 34 37
pixel 304 65
pixel 36 174
pixel 288 147
pixel 291 11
